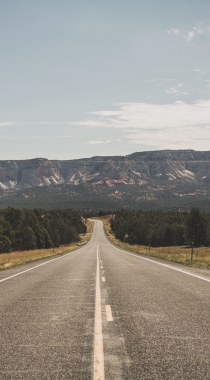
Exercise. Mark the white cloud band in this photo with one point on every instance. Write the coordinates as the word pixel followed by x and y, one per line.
pixel 159 126
pixel 153 116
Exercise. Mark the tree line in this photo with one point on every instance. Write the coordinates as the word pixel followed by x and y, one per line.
pixel 160 229
pixel 25 229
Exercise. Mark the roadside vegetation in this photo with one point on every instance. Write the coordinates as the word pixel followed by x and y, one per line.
pixel 28 235
pixel 164 235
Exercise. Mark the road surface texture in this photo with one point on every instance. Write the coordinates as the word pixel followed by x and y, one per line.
pixel 103 313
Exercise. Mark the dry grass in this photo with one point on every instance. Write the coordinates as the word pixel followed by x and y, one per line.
pixel 9 260
pixel 86 237
pixel 201 256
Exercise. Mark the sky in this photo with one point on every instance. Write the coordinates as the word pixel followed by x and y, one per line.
pixel 89 78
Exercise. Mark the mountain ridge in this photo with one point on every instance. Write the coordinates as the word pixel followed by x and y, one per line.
pixel 136 168
pixel 152 179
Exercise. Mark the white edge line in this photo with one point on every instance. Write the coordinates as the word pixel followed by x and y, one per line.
pixel 156 262
pixel 46 262
pixel 98 335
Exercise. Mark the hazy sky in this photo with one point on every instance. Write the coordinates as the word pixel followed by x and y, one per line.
pixel 103 77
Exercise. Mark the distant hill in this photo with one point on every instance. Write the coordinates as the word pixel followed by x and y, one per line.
pixel 157 179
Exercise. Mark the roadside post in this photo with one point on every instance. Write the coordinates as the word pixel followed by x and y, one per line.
pixel 192 250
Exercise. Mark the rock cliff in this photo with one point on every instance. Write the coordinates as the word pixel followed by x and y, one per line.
pixel 138 168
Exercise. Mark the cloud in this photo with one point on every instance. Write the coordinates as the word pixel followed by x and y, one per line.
pixel 196 31
pixel 146 115
pixel 66 136
pixel 177 125
pixel 175 32
pixel 95 142
pixel 199 30
pixel 8 123
pixel 51 122
pixel 171 91
pixel 190 35
pixel 173 138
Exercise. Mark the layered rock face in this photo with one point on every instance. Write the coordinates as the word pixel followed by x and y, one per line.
pixel 138 168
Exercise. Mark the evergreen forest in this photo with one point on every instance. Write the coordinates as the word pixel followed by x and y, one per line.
pixel 162 229
pixel 25 229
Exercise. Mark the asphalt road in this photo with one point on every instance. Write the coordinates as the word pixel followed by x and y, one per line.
pixel 102 313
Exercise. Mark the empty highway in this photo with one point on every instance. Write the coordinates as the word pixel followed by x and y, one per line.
pixel 103 313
